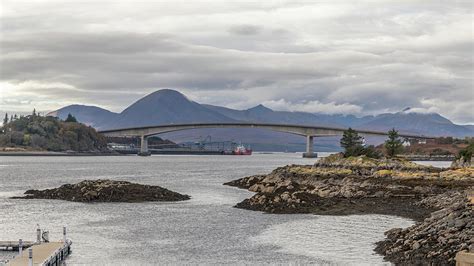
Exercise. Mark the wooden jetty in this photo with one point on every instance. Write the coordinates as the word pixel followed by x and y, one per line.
pixel 48 254
pixel 41 252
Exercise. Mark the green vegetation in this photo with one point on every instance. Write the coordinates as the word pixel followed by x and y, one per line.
pixel 352 144
pixel 393 145
pixel 5 120
pixel 70 119
pixel 36 132
pixel 466 153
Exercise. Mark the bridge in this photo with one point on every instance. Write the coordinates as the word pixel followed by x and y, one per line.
pixel 310 132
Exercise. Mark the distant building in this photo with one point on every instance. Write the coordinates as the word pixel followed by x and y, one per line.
pixel 406 143
pixel 422 141
pixel 118 146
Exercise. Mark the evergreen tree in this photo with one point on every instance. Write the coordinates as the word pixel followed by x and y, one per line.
pixel 394 144
pixel 70 118
pixel 34 112
pixel 352 143
pixel 5 120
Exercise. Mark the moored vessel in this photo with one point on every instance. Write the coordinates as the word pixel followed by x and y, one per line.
pixel 242 150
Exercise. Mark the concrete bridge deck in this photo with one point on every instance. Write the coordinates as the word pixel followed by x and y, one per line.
pixel 302 130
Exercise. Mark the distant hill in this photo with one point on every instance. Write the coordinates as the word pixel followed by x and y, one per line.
pixel 35 132
pixel 418 123
pixel 172 107
pixel 90 115
pixel 264 114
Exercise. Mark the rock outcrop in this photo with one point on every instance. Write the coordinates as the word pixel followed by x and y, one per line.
pixel 104 190
pixel 337 185
pixel 461 163
pixel 361 185
pixel 437 239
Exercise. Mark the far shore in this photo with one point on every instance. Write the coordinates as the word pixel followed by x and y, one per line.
pixel 70 153
pixel 52 153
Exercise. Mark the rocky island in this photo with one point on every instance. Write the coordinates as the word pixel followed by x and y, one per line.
pixel 104 190
pixel 434 197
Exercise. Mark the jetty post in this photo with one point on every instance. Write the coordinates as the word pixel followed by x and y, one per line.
pixel 64 234
pixel 20 247
pixel 30 257
pixel 38 234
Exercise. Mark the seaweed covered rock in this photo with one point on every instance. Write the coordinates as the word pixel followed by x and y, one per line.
pixel 437 239
pixel 104 190
pixel 359 185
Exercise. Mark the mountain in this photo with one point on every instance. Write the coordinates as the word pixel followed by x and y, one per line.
pixel 264 114
pixel 164 107
pixel 408 121
pixel 172 107
pixel 90 115
pixel 470 127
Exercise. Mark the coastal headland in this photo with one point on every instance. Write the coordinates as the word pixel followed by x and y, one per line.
pixel 434 197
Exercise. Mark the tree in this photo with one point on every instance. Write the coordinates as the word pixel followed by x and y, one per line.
pixel 70 118
pixel 393 145
pixel 352 143
pixel 34 112
pixel 5 120
pixel 466 153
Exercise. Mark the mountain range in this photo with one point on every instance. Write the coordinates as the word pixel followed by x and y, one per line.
pixel 172 107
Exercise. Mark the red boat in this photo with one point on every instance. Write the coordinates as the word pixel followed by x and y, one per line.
pixel 242 150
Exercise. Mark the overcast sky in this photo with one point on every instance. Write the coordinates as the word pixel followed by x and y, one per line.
pixel 315 56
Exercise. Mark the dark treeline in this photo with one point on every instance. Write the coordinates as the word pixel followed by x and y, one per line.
pixel 152 141
pixel 49 133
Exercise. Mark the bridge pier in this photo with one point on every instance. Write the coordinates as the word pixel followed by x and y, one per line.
pixel 144 146
pixel 309 148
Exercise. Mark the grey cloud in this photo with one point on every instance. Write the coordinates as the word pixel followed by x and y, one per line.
pixel 245 30
pixel 379 57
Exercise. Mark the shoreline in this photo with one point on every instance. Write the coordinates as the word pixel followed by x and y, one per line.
pixel 51 153
pixel 65 154
pixel 432 197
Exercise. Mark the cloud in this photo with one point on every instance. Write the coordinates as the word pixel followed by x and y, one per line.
pixel 314 107
pixel 339 57
pixel 245 29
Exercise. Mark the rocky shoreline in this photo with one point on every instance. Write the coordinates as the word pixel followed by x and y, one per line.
pixel 104 190
pixel 436 239
pixel 361 185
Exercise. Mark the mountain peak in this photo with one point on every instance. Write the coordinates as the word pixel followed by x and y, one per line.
pixel 260 108
pixel 167 93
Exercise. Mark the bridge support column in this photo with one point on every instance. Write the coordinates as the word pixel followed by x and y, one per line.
pixel 309 148
pixel 144 147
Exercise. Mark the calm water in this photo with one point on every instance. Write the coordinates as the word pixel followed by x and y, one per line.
pixel 204 230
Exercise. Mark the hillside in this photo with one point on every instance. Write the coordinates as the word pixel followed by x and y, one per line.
pixel 41 133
